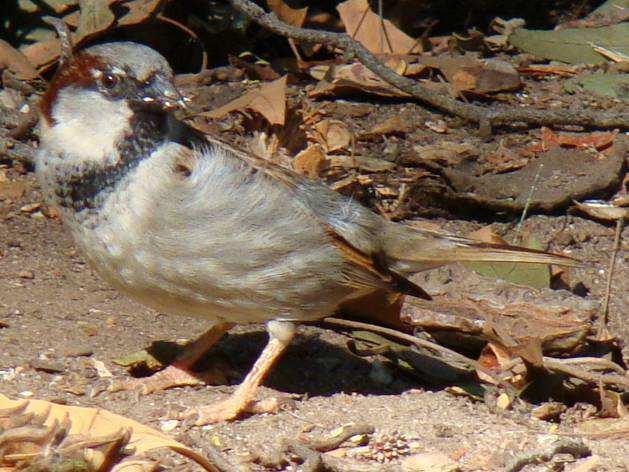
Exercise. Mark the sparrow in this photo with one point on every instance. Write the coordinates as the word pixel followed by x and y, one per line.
pixel 190 226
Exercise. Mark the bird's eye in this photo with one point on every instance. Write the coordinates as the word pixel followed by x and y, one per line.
pixel 109 81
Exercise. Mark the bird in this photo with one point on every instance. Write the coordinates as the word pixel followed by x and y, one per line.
pixel 191 226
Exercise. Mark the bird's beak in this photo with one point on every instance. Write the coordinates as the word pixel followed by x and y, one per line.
pixel 163 94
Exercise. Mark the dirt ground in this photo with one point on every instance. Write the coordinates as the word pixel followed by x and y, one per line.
pixel 60 319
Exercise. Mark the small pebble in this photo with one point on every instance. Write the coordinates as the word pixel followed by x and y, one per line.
pixel 168 425
pixel 26 274
pixel 30 208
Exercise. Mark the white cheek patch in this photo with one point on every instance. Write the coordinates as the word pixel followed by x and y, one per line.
pixel 87 126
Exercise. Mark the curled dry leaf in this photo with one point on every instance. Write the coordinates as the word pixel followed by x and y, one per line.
pixel 333 135
pixel 378 35
pixel 16 62
pixel 269 100
pixel 603 210
pixel 96 422
pixel 311 161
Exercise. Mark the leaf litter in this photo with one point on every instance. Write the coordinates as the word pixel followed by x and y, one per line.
pixel 335 149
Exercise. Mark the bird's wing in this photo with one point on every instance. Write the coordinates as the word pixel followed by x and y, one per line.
pixel 355 235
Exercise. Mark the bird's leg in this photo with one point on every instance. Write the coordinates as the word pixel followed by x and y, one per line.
pixel 179 373
pixel 243 399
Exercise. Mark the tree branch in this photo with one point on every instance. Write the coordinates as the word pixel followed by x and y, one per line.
pixel 485 117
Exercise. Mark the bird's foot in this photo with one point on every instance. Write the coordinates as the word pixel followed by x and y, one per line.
pixel 171 377
pixel 233 408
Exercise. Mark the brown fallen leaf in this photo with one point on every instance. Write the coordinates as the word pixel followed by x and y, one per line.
pixel 332 135
pixel 392 125
pixel 447 153
pixel 94 18
pixel 292 16
pixel 379 36
pixel 139 11
pixel 348 78
pixel 310 162
pixel 42 53
pixel 97 422
pixel 12 190
pixel 468 74
pixel 544 70
pixel 16 62
pixel 269 100
pixel 598 141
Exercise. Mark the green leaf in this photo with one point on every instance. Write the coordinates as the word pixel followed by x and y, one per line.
pixel 520 273
pixel 572 45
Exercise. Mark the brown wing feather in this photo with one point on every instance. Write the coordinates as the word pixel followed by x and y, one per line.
pixel 378 275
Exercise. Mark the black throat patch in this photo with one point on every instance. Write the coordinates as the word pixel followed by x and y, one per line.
pixel 84 187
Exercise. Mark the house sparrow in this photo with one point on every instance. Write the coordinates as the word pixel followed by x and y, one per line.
pixel 189 226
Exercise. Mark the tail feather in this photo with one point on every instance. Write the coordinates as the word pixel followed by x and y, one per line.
pixel 416 250
pixel 473 251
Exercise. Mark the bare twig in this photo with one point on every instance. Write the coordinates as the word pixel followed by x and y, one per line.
pixel 601 332
pixel 575 447
pixel 525 210
pixel 595 363
pixel 555 365
pixel 325 444
pixel 593 378
pixel 416 341
pixel 483 116
pixel 316 462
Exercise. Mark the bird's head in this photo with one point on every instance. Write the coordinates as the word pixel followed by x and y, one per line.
pixel 97 93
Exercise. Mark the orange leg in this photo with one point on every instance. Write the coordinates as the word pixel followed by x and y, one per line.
pixel 179 374
pixel 243 399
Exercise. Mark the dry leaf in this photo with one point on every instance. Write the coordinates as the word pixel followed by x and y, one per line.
pixel 392 125
pixel 96 17
pixel 486 235
pixel 269 100
pixel 42 53
pixel 543 70
pixel 139 11
pixel 97 422
pixel 333 135
pixel 598 141
pixel 310 162
pixel 378 36
pixel 603 210
pixel 292 16
pixel 16 62
pixel 337 80
pixel 446 153
pixel 468 74
pixel 12 190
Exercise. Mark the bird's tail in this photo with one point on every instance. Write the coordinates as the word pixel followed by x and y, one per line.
pixel 412 250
